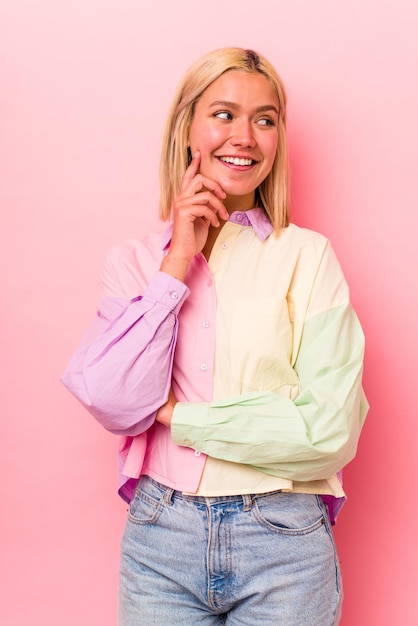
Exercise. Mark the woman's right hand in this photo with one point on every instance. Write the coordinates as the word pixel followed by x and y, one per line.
pixel 198 206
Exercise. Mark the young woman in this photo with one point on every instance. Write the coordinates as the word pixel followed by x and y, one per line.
pixel 227 355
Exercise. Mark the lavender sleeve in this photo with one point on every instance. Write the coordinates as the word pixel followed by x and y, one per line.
pixel 121 371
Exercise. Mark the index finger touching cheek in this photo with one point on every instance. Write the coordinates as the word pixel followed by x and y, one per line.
pixel 193 168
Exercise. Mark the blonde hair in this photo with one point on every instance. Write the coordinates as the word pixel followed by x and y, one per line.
pixel 273 193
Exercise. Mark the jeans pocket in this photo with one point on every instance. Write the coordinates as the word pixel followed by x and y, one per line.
pixel 146 505
pixel 289 513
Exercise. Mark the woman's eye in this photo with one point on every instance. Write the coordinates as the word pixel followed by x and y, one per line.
pixel 265 121
pixel 223 115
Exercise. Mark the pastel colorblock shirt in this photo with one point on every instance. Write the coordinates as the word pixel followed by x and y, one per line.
pixel 261 346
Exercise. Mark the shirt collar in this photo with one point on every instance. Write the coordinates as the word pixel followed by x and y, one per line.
pixel 254 217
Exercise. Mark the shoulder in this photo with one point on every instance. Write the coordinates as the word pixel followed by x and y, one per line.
pixel 299 246
pixel 136 254
pixel 303 237
pixel 318 261
pixel 131 250
pixel 314 260
pixel 130 264
pixel 315 245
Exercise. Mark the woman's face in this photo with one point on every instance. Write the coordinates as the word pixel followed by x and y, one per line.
pixel 235 128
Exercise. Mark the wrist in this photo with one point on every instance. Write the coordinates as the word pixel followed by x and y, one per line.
pixel 175 266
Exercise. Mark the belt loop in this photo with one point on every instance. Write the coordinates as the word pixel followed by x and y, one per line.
pixel 168 496
pixel 248 502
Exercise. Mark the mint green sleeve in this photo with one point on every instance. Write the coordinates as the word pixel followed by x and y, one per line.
pixel 316 434
pixel 307 439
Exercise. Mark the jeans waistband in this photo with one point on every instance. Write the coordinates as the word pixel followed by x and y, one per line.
pixel 169 493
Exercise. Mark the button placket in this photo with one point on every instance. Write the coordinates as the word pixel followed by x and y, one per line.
pixel 205 330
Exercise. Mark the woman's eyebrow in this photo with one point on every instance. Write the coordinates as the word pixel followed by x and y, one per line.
pixel 234 105
pixel 267 107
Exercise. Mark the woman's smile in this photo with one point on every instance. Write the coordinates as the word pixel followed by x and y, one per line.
pixel 237 161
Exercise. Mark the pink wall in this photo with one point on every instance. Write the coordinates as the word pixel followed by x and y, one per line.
pixel 85 86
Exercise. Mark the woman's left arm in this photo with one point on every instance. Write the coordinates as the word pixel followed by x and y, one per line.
pixel 308 438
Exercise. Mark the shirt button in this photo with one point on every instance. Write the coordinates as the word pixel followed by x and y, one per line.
pixel 174 295
pixel 224 245
pixel 205 324
pixel 197 453
pixel 203 367
pixel 239 217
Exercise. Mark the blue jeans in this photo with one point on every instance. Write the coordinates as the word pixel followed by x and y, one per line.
pixel 235 560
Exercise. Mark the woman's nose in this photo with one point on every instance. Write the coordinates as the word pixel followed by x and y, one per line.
pixel 242 134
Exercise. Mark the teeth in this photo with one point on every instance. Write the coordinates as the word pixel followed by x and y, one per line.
pixel 236 160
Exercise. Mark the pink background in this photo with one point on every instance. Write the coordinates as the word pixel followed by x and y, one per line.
pixel 85 87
